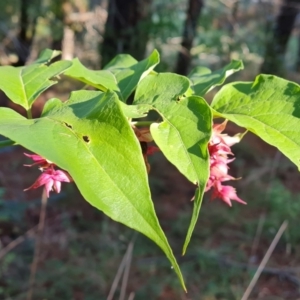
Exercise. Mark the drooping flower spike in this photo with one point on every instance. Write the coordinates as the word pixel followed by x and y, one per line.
pixel 39 160
pixel 226 193
pixel 219 149
pixel 52 180
pixel 50 177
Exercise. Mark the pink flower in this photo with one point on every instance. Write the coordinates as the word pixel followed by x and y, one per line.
pixel 50 177
pixel 52 180
pixel 226 193
pixel 39 160
pixel 219 149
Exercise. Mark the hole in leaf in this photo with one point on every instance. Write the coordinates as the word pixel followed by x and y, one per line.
pixel 86 138
pixel 180 97
pixel 68 125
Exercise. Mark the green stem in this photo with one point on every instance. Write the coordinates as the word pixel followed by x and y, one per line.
pixel 143 123
pixel 29 113
pixel 7 143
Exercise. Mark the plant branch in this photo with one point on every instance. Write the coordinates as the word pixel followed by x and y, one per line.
pixel 265 260
pixel 37 248
pixel 126 271
pixel 29 113
pixel 16 242
pixel 123 267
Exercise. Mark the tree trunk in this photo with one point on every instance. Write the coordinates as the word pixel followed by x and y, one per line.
pixel 57 27
pixel 126 29
pixel 27 31
pixel 189 33
pixel 276 45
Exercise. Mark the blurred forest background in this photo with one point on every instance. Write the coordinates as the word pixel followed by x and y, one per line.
pixel 80 250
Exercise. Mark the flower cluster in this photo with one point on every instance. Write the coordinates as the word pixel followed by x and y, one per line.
pixel 50 177
pixel 219 149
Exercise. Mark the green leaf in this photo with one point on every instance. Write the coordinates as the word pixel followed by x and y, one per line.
pixel 103 80
pixel 185 131
pixel 199 71
pixel 23 85
pixel 161 88
pixel 50 105
pixel 121 61
pixel 135 111
pixel 90 138
pixel 129 73
pixel 6 143
pixel 269 107
pixel 46 56
pixel 204 80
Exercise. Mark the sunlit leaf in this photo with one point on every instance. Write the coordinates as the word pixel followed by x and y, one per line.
pixel 103 80
pixel 46 56
pixel 135 111
pixel 269 107
pixel 23 85
pixel 204 80
pixel 184 132
pixel 129 72
pixel 91 138
pixel 121 61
